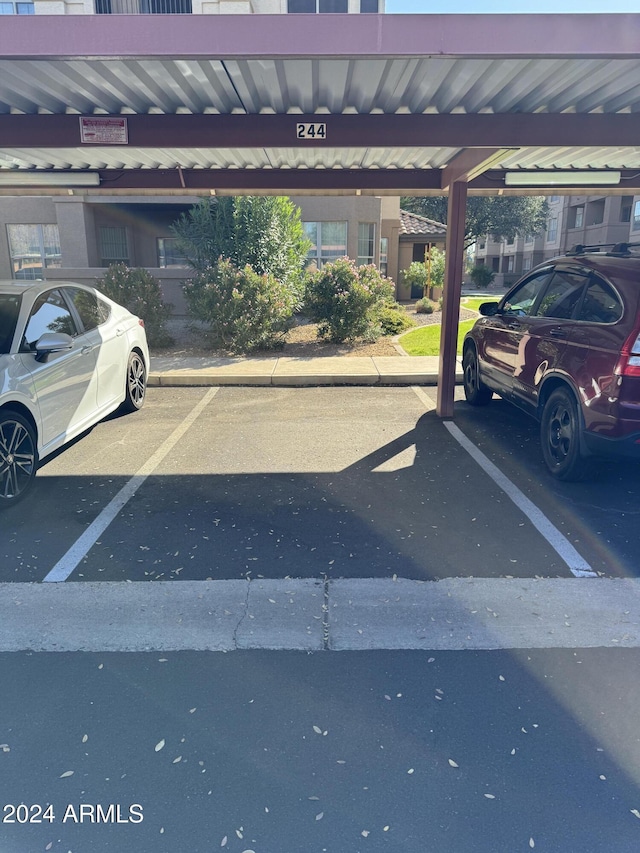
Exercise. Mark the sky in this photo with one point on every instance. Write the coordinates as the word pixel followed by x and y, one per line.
pixel 510 7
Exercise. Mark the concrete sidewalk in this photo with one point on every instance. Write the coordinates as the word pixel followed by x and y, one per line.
pixel 349 370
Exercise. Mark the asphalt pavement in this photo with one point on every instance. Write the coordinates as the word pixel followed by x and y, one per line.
pixel 262 620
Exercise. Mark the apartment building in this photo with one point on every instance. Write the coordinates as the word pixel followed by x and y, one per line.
pixel 77 237
pixel 572 220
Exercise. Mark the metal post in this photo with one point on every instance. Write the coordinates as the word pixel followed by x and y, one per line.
pixel 454 270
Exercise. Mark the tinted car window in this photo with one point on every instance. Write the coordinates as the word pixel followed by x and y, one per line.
pixel 522 300
pixel 49 314
pixel 562 294
pixel 9 308
pixel 600 303
pixel 92 310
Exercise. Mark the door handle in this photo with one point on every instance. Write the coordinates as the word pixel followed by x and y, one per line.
pixel 557 333
pixel 86 349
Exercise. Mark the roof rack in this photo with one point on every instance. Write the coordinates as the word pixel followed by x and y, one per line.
pixel 624 249
pixel 621 250
pixel 580 249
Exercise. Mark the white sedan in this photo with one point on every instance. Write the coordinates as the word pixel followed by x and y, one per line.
pixel 68 357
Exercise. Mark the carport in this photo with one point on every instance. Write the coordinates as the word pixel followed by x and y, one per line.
pixel 355 104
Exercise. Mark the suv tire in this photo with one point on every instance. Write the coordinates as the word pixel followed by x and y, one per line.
pixel 475 391
pixel 560 431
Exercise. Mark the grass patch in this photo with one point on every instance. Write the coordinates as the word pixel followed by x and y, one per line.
pixel 426 340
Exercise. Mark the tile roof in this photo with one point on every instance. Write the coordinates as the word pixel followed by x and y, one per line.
pixel 413 223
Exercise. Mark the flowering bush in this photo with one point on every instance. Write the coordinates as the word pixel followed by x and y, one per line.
pixel 346 300
pixel 141 294
pixel 244 311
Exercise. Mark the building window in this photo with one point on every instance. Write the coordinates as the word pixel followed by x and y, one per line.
pixel 626 203
pixel 329 241
pixel 17 9
pixel 113 245
pixel 529 238
pixel 168 254
pixel 369 5
pixel 636 217
pixel 576 217
pixel 595 214
pixel 384 255
pixel 33 248
pixel 313 6
pixel 510 263
pixel 366 242
pixel 552 229
pixel 526 264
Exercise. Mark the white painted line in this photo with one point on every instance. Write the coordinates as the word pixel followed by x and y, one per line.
pixel 424 398
pixel 81 547
pixel 357 614
pixel 576 563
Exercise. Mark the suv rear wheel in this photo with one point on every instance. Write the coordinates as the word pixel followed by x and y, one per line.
pixel 560 437
pixel 476 393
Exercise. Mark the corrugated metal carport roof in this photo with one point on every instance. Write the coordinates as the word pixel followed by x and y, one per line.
pixel 214 101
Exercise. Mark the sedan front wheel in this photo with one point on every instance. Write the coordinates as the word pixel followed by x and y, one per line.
pixel 136 383
pixel 18 457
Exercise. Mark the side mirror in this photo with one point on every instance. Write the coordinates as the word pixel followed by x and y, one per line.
pixel 52 342
pixel 489 309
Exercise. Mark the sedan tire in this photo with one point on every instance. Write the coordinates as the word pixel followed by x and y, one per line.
pixel 18 457
pixel 560 430
pixel 136 383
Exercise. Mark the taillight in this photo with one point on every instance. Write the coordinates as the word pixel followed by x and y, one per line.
pixel 141 322
pixel 629 361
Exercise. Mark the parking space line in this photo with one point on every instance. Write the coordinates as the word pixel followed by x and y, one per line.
pixel 81 547
pixel 429 404
pixel 577 565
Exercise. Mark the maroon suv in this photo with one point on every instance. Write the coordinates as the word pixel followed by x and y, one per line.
pixel 564 345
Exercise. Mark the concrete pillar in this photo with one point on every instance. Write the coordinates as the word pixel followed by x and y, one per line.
pixel 454 269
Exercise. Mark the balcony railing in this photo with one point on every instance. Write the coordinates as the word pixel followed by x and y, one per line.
pixel 143 7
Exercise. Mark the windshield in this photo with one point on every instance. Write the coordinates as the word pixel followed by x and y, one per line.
pixel 9 308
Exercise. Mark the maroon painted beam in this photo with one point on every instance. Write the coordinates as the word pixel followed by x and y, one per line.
pixel 351 36
pixel 366 131
pixel 280 180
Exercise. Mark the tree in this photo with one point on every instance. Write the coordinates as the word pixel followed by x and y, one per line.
pixel 265 232
pixel 502 216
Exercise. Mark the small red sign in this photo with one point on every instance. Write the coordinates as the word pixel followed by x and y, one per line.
pixel 107 130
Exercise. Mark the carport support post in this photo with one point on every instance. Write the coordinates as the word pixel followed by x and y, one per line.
pixel 453 272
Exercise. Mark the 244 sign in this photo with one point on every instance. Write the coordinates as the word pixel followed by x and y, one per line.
pixel 311 130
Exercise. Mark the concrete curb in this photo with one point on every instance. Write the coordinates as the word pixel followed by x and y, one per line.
pixel 317 614
pixel 286 371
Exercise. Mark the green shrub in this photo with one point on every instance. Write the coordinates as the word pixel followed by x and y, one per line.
pixel 141 294
pixel 425 306
pixel 244 311
pixel 393 321
pixel 482 276
pixel 345 300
